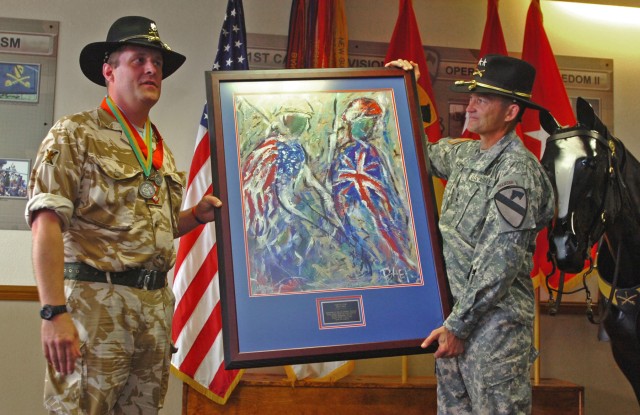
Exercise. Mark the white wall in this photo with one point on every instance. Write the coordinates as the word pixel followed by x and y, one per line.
pixel 191 27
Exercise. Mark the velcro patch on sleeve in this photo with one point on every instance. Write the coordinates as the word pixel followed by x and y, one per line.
pixel 511 202
pixel 51 156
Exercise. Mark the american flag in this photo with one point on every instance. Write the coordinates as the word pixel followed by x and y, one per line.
pixel 197 323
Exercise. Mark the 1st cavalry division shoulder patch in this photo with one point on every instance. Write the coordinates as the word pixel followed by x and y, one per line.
pixel 512 205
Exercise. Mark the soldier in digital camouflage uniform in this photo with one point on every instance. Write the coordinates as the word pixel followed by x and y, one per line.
pixel 496 200
pixel 104 208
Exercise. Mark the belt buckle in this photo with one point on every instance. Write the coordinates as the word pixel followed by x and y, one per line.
pixel 145 278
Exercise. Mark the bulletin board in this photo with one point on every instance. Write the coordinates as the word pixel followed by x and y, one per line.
pixel 28 54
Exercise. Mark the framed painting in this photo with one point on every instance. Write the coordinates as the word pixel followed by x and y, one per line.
pixel 327 240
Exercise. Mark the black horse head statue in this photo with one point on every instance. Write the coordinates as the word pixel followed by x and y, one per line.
pixel 582 162
pixel 597 184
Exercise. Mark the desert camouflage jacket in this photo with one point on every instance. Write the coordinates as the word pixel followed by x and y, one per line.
pixel 87 173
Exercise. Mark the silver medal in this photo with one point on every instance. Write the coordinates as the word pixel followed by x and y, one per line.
pixel 147 189
pixel 156 177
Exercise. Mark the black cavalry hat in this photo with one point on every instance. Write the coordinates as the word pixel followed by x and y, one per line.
pixel 133 30
pixel 502 75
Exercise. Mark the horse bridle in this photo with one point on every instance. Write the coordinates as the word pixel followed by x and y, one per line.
pixel 597 227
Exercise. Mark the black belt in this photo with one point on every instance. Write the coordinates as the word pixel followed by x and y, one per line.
pixel 137 278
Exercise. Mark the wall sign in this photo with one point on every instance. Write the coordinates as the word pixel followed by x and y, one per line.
pixel 590 78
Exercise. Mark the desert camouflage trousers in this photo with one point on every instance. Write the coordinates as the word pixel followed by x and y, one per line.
pixel 125 340
pixel 492 376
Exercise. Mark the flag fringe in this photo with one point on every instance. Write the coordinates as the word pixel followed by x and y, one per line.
pixel 333 376
pixel 221 400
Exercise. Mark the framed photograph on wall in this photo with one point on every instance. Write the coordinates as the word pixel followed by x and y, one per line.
pixel 327 239
pixel 14 177
pixel 19 82
pixel 457 118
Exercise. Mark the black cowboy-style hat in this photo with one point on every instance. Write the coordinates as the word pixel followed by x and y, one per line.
pixel 132 30
pixel 502 75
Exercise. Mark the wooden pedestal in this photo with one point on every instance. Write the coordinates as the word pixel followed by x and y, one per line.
pixel 380 395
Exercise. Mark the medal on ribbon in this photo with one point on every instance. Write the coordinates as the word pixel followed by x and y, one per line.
pixel 141 147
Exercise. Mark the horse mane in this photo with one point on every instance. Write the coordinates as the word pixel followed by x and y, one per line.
pixel 628 169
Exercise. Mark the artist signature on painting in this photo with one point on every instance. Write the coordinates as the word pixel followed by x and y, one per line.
pixel 395 275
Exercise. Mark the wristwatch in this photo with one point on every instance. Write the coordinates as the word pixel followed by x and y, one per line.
pixel 47 312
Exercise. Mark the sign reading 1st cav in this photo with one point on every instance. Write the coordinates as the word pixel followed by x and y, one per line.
pixel 27 44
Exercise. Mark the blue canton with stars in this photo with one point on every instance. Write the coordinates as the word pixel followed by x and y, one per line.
pixel 232 46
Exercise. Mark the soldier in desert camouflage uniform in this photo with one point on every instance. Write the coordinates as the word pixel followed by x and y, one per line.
pixel 104 208
pixel 496 200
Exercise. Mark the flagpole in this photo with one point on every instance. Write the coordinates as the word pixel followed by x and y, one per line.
pixel 536 336
pixel 405 368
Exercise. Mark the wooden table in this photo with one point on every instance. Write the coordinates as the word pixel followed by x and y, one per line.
pixel 267 394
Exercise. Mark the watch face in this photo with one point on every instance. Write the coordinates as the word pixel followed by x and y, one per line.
pixel 49 311
pixel 46 312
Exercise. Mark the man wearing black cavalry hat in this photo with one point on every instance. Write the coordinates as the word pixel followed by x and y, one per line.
pixel 496 200
pixel 104 209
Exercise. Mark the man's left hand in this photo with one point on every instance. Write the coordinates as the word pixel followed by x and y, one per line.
pixel 406 65
pixel 205 209
pixel 448 344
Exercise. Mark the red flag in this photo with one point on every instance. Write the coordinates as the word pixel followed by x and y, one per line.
pixel 492 43
pixel 548 91
pixel 548 88
pixel 296 45
pixel 492 38
pixel 197 322
pixel 406 44
pixel 323 36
